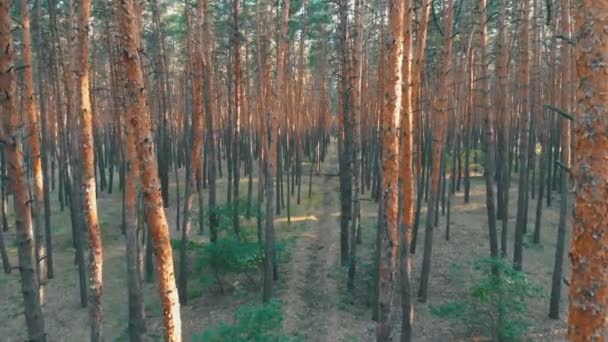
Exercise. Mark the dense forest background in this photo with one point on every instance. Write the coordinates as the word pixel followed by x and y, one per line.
pixel 254 170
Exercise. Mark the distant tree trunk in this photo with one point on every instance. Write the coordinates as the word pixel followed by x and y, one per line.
pixel 388 230
pixel 356 128
pixel 524 87
pixel 4 194
pixel 488 115
pixel 589 277
pixel 210 112
pixel 34 139
pixel 441 113
pixel 545 127
pixel 418 67
pixel 11 136
pixel 192 167
pixel 6 265
pixel 46 142
pixel 564 206
pixel 407 180
pixel 468 124
pixel 502 158
pixel 139 120
pixel 346 153
pixel 88 185
pixel 238 95
pixel 164 103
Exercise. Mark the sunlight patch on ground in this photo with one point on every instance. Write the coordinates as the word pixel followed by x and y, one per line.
pixel 297 219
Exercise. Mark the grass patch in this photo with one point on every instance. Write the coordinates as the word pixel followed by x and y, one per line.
pixel 255 323
pixel 495 303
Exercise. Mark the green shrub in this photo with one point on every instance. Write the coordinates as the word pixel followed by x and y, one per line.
pixel 215 260
pixel 255 323
pixel 496 303
pixel 225 215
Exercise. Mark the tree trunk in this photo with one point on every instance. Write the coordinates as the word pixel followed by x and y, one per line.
pixel 589 277
pixel 388 229
pixel 34 139
pixel 564 205
pixel 137 317
pixel 13 149
pixel 407 179
pixel 192 167
pixel 524 86
pixel 88 186
pixel 139 120
pixel 441 114
pixel 488 115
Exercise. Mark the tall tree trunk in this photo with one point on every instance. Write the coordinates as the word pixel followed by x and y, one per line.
pixel 88 185
pixel 418 67
pixel 440 113
pixel 388 230
pixel 503 127
pixel 210 112
pixel 564 205
pixel 346 154
pixel 139 120
pixel 589 277
pixel 46 142
pixel 524 87
pixel 137 317
pixel 11 137
pixel 238 96
pixel 356 128
pixel 488 115
pixel 36 161
pixel 406 177
pixel 192 168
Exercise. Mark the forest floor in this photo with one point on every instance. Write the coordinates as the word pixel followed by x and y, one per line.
pixel 311 286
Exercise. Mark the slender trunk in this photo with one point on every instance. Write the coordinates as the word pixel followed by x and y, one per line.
pixel 237 109
pixel 406 178
pixel 356 127
pixel 16 172
pixel 524 79
pixel 193 166
pixel 441 115
pixel 140 122
pixel 488 115
pixel 36 151
pixel 88 185
pixel 388 229
pixel 564 206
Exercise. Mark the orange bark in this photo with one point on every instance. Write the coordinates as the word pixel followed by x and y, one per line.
pixel 417 73
pixel 390 153
pixel 406 140
pixel 197 149
pixel 88 185
pixel 10 136
pixel 31 109
pixel 140 122
pixel 406 176
pixel 588 254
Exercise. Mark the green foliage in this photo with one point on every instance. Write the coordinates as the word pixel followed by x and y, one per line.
pixel 496 303
pixel 229 255
pixel 452 310
pixel 225 214
pixel 477 159
pixel 257 323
